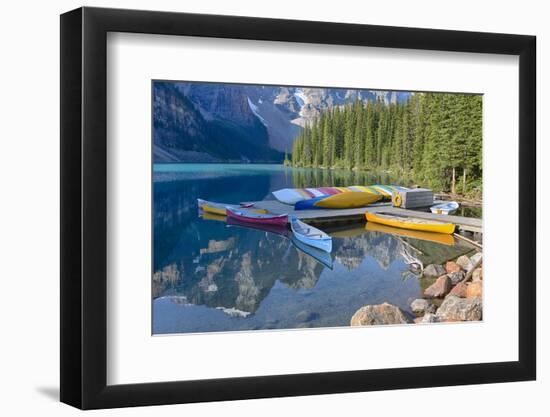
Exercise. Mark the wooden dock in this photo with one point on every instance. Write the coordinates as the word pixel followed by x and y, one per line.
pixel 319 216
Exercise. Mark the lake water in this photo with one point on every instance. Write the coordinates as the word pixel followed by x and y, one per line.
pixel 213 276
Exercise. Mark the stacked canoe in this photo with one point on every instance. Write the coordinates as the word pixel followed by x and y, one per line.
pixel 295 195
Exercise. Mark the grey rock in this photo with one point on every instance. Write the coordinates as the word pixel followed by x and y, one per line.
pixel 434 271
pixel 422 306
pixel 460 309
pixel 429 318
pixel 465 263
pixel 456 277
pixel 476 257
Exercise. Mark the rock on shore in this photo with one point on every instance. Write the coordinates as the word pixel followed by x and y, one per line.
pixel 439 288
pixel 459 290
pixel 377 314
pixel 421 306
pixel 465 263
pixel 433 271
pixel 475 289
pixel 460 309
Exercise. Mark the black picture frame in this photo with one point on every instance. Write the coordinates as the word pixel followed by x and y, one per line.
pixel 84 207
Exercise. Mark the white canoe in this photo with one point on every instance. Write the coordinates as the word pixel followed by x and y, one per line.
pixel 310 235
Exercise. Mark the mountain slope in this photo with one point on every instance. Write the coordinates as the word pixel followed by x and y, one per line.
pixel 184 133
pixel 213 122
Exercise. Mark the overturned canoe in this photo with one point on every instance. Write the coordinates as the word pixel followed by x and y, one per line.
pixel 294 195
pixel 352 199
pixel 410 223
pixel 310 235
pixel 249 216
pixel 309 204
pixel 220 208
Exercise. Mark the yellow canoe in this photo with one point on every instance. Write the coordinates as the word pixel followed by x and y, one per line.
pixel 210 216
pixel 350 199
pixel 411 223
pixel 220 208
pixel 441 238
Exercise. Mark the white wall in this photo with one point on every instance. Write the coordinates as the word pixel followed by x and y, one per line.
pixel 29 172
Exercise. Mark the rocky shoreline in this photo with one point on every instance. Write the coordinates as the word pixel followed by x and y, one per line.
pixel 453 292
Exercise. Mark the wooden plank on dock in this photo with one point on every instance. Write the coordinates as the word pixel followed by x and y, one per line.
pixel 358 214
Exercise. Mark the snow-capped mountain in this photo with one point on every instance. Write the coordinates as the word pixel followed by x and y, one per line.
pixel 203 122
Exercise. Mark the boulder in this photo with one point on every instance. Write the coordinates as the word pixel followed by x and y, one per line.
pixel 477 275
pixel 475 289
pixel 385 313
pixel 451 267
pixel 460 309
pixel 440 288
pixel 477 257
pixel 421 306
pixel 434 270
pixel 456 277
pixel 465 263
pixel 459 290
pixel 429 318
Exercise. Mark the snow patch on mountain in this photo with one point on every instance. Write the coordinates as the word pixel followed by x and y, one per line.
pixel 300 97
pixel 254 109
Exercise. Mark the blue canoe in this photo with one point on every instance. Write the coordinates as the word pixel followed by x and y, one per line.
pixel 309 204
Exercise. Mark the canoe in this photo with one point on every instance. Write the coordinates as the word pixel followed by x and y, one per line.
pixel 220 208
pixel 309 204
pixel 352 199
pixel 216 217
pixel 319 255
pixel 441 238
pixel 410 223
pixel 278 229
pixel 310 235
pixel 294 195
pixel 445 208
pixel 249 216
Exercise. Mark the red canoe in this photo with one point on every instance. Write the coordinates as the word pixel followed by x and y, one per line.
pixel 252 217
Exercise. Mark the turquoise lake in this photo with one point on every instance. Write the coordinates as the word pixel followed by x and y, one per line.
pixel 212 276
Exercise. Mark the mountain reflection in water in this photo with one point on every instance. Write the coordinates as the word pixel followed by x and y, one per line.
pixel 211 275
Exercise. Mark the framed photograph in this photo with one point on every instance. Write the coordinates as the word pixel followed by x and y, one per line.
pixel 256 208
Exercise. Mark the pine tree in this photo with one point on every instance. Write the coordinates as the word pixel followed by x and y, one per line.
pixel 434 138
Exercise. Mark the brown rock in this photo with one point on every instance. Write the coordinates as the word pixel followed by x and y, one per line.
pixel 477 275
pixel 460 309
pixel 475 289
pixel 385 313
pixel 451 266
pixel 440 288
pixel 459 290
